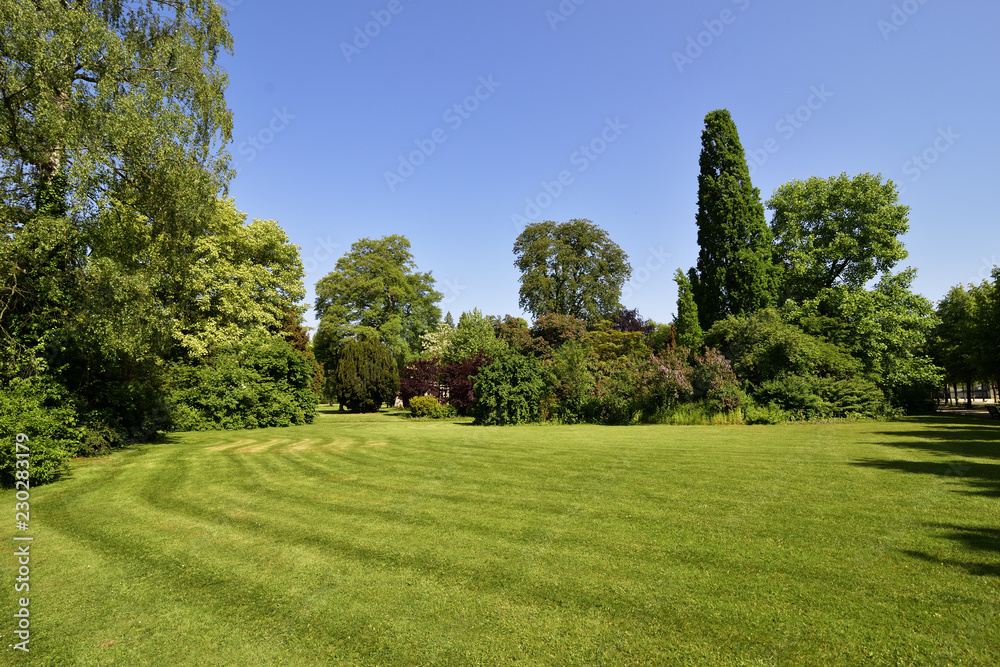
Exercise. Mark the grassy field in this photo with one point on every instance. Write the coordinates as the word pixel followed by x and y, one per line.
pixel 378 540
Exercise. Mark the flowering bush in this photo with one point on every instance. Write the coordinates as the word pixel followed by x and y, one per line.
pixel 627 388
pixel 715 380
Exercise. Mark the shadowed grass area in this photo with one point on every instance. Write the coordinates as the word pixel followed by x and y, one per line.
pixel 378 540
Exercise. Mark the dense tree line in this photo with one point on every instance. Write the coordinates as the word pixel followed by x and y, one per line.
pixel 136 298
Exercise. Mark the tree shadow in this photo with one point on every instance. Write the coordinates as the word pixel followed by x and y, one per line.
pixel 975 539
pixel 962 452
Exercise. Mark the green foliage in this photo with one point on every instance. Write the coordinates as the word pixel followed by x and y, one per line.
pixel 367 376
pixel 508 391
pixel 571 268
pixel 734 275
pixel 769 414
pixel 41 410
pixel 887 329
pixel 610 343
pixel 763 347
pixel 264 382
pixel 376 293
pixel 125 99
pixel 781 364
pixel 663 337
pixel 474 334
pixel 812 397
pixel 629 389
pixel 430 407
pixel 557 328
pixel 569 381
pixel 687 329
pixel 838 230
pixel 238 277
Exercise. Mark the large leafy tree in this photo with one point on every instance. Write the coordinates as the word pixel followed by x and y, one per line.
pixel 838 230
pixel 954 342
pixel 124 99
pixel 887 328
pixel 376 293
pixel 112 136
pixel 734 275
pixel 571 268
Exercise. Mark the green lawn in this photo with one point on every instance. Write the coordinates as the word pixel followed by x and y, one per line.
pixel 380 541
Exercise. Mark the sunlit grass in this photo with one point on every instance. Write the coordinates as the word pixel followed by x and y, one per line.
pixel 379 540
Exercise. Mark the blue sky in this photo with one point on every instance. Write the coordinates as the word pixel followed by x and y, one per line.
pixel 454 123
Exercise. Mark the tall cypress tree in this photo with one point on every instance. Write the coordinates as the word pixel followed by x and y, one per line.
pixel 689 333
pixel 735 275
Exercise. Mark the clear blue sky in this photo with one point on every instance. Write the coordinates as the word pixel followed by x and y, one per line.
pixel 323 114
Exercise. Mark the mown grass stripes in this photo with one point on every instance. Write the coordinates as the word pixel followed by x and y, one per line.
pixel 380 540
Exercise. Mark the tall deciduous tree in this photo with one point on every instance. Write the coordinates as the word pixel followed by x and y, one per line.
pixel 838 230
pixel 734 275
pixel 375 292
pixel 572 268
pixel 123 98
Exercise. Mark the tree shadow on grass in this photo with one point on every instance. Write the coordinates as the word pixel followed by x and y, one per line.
pixel 962 453
pixel 980 540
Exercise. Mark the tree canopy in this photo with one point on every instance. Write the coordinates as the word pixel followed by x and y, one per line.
pixel 375 292
pixel 838 230
pixel 572 268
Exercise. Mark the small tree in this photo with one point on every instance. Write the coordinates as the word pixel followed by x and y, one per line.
pixel 508 391
pixel 687 329
pixel 366 376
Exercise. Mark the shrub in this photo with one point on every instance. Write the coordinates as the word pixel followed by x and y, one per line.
pixel 810 397
pixel 715 380
pixel 768 414
pixel 569 383
pixel 428 406
pixel 628 389
pixel 367 376
pixel 419 378
pixel 459 380
pixel 37 407
pixel 556 329
pixel 265 382
pixel 508 391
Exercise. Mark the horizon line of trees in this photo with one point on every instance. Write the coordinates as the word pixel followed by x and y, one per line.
pixel 137 299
